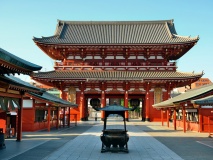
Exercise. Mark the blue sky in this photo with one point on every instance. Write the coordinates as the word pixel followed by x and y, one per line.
pixel 20 20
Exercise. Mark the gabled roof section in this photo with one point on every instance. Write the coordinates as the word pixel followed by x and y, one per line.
pixel 206 101
pixel 15 83
pixel 189 95
pixel 13 64
pixel 114 75
pixel 115 32
pixel 49 98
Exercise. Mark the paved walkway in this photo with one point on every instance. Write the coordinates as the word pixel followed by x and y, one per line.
pixel 148 141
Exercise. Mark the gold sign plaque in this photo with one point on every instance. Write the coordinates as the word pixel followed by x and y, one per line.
pixel 158 95
pixel 72 94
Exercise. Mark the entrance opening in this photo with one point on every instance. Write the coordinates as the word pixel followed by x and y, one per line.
pixel 138 113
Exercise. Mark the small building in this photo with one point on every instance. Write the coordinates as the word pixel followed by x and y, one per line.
pixel 200 82
pixel 191 110
pixel 12 92
pixel 21 102
pixel 44 111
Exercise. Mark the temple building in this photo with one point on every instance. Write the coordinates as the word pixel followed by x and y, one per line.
pixel 24 107
pixel 12 93
pixel 119 60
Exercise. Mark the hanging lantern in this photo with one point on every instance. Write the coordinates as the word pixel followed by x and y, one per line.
pixel 135 102
pixel 95 102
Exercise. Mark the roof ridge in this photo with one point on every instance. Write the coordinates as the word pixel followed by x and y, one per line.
pixel 59 34
pixel 168 30
pixel 114 22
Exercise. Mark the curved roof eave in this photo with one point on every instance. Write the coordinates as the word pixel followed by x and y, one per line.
pixel 17 61
pixel 16 82
pixel 109 75
pixel 203 101
pixel 115 32
pixel 114 44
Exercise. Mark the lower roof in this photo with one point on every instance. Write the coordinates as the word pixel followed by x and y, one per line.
pixel 31 91
pixel 18 84
pixel 13 64
pixel 207 101
pixel 189 95
pixel 114 75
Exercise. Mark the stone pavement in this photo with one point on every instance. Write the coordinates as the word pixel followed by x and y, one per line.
pixel 148 141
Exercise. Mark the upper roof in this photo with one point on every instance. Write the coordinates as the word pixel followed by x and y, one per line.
pixel 189 95
pixel 13 64
pixel 113 75
pixel 115 32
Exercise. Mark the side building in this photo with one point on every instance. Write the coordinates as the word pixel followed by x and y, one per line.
pixel 199 83
pixel 116 61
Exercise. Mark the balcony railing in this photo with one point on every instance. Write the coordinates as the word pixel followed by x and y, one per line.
pixel 115 65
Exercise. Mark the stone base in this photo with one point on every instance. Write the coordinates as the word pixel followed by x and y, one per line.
pixel 145 119
pixel 84 119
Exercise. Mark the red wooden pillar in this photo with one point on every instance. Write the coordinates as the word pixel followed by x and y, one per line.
pixel 57 117
pixel 20 113
pixel 82 107
pixel 48 118
pixel 68 118
pixel 126 105
pixel 184 119
pixel 143 110
pixel 162 116
pixel 147 103
pixel 147 107
pixel 82 102
pixel 103 104
pixel 200 120
pixel 63 95
pixel 209 129
pixel 174 119
pixel 167 116
pixel 64 114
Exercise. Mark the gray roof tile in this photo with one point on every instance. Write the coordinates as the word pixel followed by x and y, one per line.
pixel 204 101
pixel 115 32
pixel 115 75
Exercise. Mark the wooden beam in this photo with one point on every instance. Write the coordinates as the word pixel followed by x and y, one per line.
pixel 2 94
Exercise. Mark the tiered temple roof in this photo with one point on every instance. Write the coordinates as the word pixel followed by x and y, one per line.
pixel 80 38
pixel 115 35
